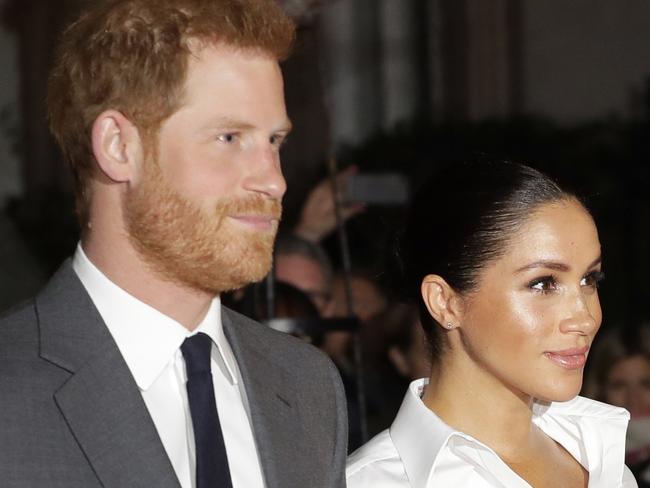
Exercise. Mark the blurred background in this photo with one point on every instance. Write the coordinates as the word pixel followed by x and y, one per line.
pixel 397 86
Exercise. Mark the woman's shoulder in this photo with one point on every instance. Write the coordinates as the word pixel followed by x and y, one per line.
pixel 376 464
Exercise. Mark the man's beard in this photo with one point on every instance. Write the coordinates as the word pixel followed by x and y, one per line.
pixel 195 247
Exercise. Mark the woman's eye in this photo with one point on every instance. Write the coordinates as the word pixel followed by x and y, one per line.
pixel 545 284
pixel 593 279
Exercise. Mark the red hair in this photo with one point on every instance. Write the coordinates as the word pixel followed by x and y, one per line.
pixel 132 56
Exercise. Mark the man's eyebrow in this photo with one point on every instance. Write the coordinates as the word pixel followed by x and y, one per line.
pixel 229 123
pixel 287 126
pixel 555 265
pixel 233 123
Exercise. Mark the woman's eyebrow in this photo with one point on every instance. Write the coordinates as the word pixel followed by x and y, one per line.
pixel 555 265
pixel 545 263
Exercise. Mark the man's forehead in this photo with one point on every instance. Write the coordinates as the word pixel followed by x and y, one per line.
pixel 198 47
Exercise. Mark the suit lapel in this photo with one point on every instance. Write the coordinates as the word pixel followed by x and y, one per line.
pixel 100 402
pixel 274 407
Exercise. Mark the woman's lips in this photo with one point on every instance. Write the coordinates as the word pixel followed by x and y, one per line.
pixel 574 358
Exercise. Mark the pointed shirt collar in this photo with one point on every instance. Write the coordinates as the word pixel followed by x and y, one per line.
pixel 147 338
pixel 593 432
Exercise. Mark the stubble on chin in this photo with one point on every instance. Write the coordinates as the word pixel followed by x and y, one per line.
pixel 193 247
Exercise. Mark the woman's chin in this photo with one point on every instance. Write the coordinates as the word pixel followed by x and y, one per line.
pixel 558 395
pixel 562 391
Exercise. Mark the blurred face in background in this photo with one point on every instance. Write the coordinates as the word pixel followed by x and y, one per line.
pixel 367 299
pixel 414 360
pixel 367 302
pixel 307 275
pixel 628 385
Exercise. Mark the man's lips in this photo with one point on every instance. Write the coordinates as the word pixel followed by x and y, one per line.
pixel 573 358
pixel 257 221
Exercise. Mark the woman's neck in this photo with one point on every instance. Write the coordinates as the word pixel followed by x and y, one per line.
pixel 470 399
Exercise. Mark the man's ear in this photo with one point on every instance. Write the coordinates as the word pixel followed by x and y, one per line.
pixel 442 301
pixel 117 146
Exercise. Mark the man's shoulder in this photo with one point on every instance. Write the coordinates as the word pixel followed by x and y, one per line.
pixel 25 377
pixel 18 325
pixel 20 322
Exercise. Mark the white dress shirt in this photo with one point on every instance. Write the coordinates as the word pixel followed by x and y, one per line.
pixel 421 451
pixel 150 344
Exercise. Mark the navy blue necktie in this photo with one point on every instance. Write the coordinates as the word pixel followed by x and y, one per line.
pixel 211 459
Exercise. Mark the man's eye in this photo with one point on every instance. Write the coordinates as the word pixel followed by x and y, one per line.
pixel 278 139
pixel 545 284
pixel 227 138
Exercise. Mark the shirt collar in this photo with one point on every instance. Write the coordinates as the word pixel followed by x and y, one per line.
pixel 593 432
pixel 147 338
pixel 418 452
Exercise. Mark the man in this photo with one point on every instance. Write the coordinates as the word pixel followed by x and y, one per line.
pixel 171 113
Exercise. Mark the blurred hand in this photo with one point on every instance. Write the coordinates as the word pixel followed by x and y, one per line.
pixel 318 215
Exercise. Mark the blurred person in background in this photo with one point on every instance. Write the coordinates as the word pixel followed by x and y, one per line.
pixel 408 350
pixel 305 265
pixel 368 300
pixel 301 260
pixel 318 214
pixel 294 313
pixel 395 352
pixel 619 373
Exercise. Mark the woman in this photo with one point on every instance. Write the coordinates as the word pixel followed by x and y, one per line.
pixel 505 266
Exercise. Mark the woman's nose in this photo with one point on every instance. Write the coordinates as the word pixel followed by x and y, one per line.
pixel 583 318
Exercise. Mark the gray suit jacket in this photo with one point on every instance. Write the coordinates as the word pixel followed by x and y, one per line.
pixel 72 416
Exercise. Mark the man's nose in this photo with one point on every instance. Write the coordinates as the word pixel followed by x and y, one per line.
pixel 266 175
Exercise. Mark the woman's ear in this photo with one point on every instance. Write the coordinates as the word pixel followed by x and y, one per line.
pixel 441 300
pixel 117 146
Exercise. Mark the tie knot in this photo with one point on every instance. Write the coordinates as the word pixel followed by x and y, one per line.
pixel 196 351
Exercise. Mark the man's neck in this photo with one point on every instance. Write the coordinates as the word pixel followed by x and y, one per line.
pixel 125 267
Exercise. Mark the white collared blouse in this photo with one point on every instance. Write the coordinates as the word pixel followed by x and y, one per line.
pixel 421 451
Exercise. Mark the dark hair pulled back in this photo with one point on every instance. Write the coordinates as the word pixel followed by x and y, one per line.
pixel 461 219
